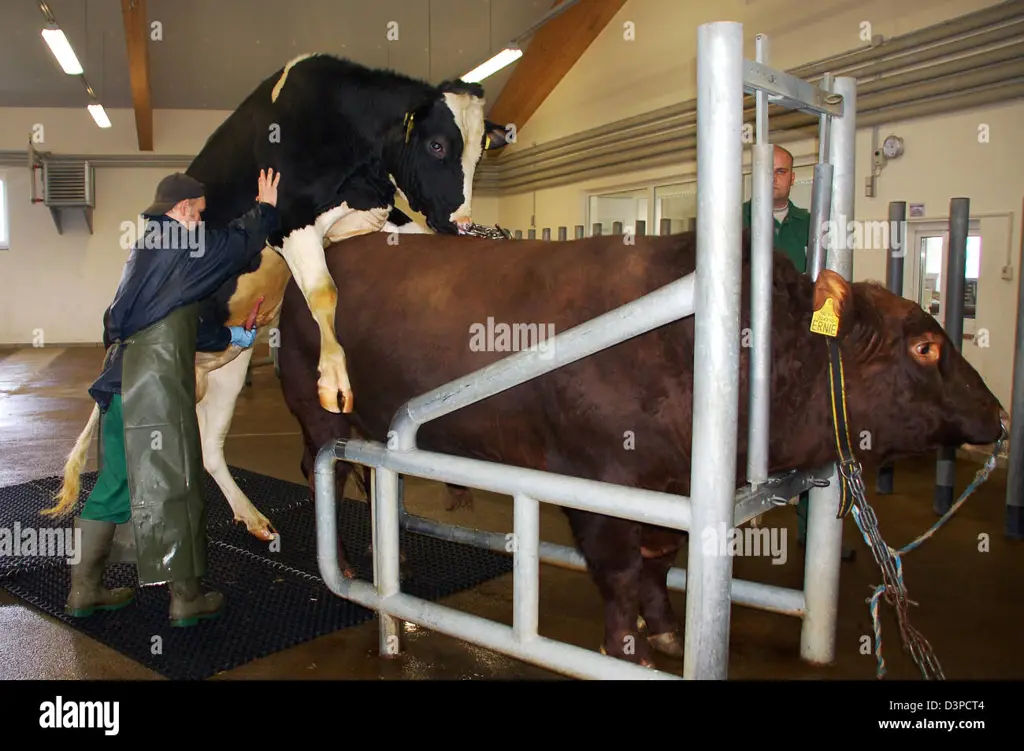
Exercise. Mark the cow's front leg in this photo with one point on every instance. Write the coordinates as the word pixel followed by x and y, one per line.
pixel 303 250
pixel 611 548
pixel 659 548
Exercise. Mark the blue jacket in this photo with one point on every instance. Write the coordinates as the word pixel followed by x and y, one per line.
pixel 169 268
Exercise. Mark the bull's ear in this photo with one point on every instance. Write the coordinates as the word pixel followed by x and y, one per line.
pixel 833 305
pixel 495 136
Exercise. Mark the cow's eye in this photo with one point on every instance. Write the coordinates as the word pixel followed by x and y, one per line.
pixel 436 148
pixel 926 352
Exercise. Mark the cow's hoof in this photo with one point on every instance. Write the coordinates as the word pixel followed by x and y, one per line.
pixel 644 662
pixel 334 379
pixel 670 644
pixel 259 527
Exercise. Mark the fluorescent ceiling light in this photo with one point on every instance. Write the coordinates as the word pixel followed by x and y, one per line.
pixel 506 57
pixel 61 49
pixel 98 114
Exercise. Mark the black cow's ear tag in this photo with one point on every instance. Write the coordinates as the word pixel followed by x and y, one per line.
pixel 825 320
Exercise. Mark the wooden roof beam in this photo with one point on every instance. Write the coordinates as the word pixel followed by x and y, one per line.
pixel 136 30
pixel 553 50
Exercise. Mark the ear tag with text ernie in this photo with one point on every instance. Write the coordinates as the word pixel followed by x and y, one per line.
pixel 825 321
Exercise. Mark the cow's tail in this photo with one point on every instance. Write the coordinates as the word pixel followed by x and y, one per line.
pixel 67 496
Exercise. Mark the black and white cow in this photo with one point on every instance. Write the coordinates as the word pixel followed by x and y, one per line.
pixel 345 138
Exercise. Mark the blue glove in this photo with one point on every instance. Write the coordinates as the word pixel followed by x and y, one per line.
pixel 242 338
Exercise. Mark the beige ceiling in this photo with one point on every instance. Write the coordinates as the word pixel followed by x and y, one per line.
pixel 214 52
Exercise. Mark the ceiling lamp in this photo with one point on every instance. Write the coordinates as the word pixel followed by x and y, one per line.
pixel 61 49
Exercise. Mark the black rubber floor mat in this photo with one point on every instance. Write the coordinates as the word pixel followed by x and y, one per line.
pixel 274 598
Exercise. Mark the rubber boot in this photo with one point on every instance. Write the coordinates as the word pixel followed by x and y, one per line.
pixel 87 591
pixel 189 605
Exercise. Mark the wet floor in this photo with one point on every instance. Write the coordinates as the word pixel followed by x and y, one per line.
pixel 968 578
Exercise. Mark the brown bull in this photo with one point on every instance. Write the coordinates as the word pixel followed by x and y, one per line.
pixel 406 316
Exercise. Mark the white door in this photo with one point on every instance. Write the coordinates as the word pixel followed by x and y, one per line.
pixel 924 274
pixel 990 311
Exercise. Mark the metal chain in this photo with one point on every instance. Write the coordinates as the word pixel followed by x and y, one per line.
pixel 890 563
pixel 491 233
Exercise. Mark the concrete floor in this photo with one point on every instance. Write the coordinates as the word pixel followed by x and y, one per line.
pixel 970 594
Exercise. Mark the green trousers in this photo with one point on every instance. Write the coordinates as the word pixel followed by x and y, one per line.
pixel 110 500
pixel 152 469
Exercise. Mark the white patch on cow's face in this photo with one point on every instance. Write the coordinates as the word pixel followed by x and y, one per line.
pixel 284 74
pixel 468 112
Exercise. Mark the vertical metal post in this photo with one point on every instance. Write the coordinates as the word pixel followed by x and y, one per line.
pixel 519 234
pixel 1015 458
pixel 531 234
pixel 821 191
pixel 616 228
pixel 824 530
pixel 716 346
pixel 545 234
pixel 579 231
pixel 526 567
pixel 884 480
pixel 597 229
pixel 665 227
pixel 641 227
pixel 691 223
pixel 762 243
pixel 956 270
pixel 563 233
pixel 385 526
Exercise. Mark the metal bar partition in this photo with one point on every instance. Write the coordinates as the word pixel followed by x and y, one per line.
pixel 712 295
pixel 953 304
pixel 885 478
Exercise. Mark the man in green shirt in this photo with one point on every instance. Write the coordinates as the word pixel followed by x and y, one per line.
pixel 792 235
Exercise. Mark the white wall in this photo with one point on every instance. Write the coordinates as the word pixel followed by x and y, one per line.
pixel 943 157
pixel 57 286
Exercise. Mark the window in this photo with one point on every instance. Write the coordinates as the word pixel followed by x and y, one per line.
pixel 4 224
pixel 627 207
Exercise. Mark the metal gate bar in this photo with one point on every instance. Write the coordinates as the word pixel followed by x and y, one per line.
pixel 712 295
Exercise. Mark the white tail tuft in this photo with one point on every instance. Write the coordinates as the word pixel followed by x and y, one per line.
pixel 68 494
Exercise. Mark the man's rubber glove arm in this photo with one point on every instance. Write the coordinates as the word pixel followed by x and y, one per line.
pixel 242 338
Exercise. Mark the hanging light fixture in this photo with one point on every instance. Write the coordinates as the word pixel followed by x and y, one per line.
pixel 59 45
pixel 511 51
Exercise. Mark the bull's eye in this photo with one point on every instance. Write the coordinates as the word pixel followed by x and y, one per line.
pixel 926 352
pixel 437 149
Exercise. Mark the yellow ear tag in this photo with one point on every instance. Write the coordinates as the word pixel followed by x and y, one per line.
pixel 408 127
pixel 825 321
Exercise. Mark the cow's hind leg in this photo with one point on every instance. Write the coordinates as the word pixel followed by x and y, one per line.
pixel 304 252
pixel 214 412
pixel 611 548
pixel 659 548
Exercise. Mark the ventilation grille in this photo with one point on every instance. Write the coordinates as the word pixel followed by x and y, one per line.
pixel 68 183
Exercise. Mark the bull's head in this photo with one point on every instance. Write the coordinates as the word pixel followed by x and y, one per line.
pixel 906 384
pixel 441 144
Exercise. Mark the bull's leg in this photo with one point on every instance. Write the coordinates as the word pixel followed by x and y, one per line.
pixel 214 412
pixel 659 548
pixel 611 548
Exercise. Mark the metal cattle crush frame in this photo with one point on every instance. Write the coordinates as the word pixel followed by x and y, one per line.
pixel 712 295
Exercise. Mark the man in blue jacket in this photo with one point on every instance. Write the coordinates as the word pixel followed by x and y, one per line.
pixel 152 469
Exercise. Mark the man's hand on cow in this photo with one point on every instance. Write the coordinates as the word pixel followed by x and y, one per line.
pixel 268 187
